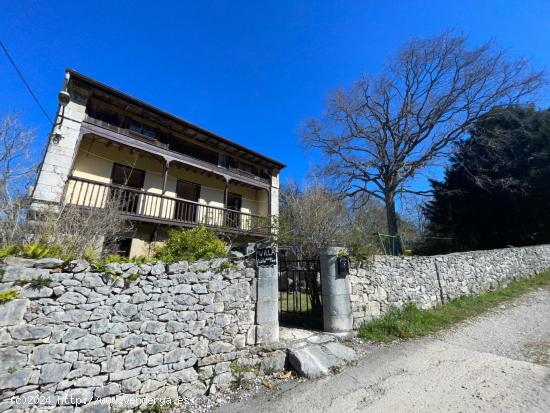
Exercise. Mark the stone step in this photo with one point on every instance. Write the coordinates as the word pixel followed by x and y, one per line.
pixel 319 355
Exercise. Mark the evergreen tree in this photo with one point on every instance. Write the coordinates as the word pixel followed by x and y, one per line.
pixel 496 190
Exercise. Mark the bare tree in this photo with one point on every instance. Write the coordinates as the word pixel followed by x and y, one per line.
pixel 16 172
pixel 380 133
pixel 78 231
pixel 310 218
pixel 71 228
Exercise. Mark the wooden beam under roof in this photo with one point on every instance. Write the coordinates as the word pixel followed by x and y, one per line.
pixel 90 127
pixel 166 117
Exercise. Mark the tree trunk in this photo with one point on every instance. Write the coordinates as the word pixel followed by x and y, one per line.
pixel 391 220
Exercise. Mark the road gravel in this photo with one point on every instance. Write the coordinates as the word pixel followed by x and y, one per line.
pixel 499 362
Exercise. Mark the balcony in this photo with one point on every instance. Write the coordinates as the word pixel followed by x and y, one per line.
pixel 175 147
pixel 145 206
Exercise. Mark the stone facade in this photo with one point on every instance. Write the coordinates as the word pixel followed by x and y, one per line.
pixel 428 281
pixel 60 153
pixel 150 330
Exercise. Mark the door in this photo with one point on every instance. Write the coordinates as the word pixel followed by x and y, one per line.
pixel 187 191
pixel 234 203
pixel 127 177
pixel 119 247
pixel 300 297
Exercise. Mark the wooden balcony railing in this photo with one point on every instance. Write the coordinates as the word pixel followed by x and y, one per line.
pixel 151 207
pixel 165 146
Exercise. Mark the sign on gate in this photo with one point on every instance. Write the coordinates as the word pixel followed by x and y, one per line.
pixel 266 257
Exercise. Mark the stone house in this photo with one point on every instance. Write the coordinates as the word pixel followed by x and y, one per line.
pixel 168 172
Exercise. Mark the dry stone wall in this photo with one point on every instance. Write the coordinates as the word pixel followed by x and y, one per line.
pixel 427 281
pixel 152 330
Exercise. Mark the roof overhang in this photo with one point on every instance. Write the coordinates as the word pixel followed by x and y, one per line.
pixel 201 134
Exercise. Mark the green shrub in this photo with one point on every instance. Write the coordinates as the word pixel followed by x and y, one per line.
pixel 140 260
pixel 90 255
pixel 116 259
pixel 9 250
pixel 227 265
pixel 99 263
pixel 33 250
pixel 38 251
pixel 8 295
pixel 191 245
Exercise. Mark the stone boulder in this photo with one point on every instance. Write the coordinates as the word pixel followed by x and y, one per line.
pixel 12 312
pixel 48 263
pixel 314 361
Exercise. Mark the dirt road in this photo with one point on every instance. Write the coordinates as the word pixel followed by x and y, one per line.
pixel 496 363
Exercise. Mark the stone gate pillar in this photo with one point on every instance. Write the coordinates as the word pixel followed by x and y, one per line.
pixel 337 315
pixel 267 304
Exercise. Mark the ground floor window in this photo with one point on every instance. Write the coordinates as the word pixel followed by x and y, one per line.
pixel 119 247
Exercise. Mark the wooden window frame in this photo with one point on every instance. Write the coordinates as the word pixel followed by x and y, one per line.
pixel 115 164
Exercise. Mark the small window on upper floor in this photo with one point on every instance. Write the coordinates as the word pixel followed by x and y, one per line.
pixel 149 132
pixel 195 151
pixel 228 162
pixel 246 167
pixel 142 129
pixel 95 111
pixel 134 126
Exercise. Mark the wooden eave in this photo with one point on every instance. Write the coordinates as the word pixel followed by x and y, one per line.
pixel 172 122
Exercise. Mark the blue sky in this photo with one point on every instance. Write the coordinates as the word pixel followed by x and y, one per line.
pixel 250 71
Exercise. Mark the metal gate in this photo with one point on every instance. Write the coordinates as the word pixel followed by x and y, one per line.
pixel 300 298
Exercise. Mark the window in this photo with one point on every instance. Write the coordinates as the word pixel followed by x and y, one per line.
pixel 134 127
pixel 149 132
pixel 195 151
pixel 141 129
pixel 97 112
pixel 127 176
pixel 120 247
pixel 246 167
pixel 229 162
pixel 234 203
pixel 188 190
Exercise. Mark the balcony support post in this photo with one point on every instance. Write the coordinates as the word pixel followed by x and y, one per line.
pixel 269 223
pixel 225 191
pixel 165 178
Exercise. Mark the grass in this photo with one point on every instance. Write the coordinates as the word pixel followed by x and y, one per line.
pixel 35 283
pixel 299 312
pixel 300 303
pixel 239 370
pixel 410 321
pixel 8 295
